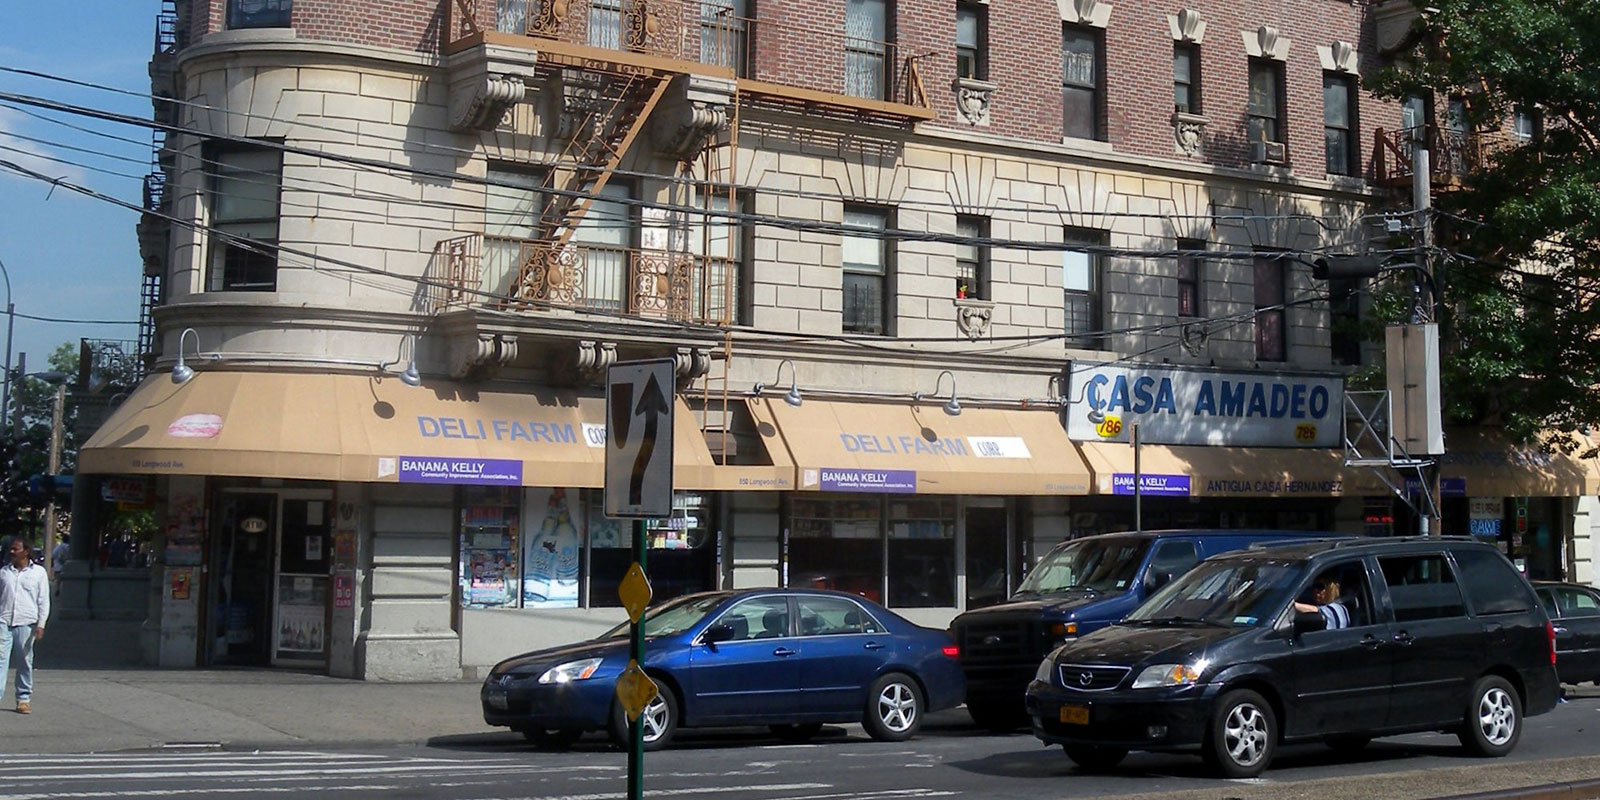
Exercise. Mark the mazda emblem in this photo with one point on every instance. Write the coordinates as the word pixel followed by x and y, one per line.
pixel 991 640
pixel 1085 678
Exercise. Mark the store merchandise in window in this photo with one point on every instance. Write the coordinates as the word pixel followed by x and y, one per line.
pixel 554 548
pixel 837 543
pixel 922 553
pixel 488 566
pixel 682 557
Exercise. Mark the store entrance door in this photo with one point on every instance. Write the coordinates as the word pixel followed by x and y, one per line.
pixel 240 596
pixel 987 579
pixel 300 613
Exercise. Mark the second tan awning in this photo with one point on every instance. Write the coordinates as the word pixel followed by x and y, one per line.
pixel 903 448
pixel 1183 470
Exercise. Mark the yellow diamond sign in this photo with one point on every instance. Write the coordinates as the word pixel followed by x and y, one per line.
pixel 635 592
pixel 635 690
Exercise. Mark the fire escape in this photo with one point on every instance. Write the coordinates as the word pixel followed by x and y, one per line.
pixel 154 229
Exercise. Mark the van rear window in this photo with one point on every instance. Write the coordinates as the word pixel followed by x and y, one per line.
pixel 1493 585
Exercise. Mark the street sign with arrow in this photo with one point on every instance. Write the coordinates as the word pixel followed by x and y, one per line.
pixel 639 421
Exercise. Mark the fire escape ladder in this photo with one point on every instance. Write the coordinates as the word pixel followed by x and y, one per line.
pixel 598 155
pixel 149 299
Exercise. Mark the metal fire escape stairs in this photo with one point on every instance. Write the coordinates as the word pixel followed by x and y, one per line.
pixel 619 113
pixel 719 166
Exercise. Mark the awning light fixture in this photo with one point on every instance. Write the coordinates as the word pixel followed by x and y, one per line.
pixel 793 397
pixel 181 373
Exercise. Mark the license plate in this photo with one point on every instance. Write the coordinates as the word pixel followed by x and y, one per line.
pixel 1075 715
pixel 497 700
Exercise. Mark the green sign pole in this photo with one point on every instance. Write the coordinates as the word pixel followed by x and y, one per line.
pixel 636 653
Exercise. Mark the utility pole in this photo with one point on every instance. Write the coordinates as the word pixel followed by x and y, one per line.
pixel 1424 311
pixel 56 413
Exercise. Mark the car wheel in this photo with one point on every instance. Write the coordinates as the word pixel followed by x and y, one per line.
pixel 998 716
pixel 1242 734
pixel 894 708
pixel 1093 757
pixel 1353 743
pixel 559 739
pixel 660 720
pixel 1493 720
pixel 801 732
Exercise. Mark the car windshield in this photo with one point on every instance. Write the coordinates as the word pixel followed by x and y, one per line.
pixel 1088 565
pixel 676 616
pixel 1232 592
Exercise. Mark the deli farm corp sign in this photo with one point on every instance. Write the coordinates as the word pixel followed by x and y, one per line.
pixel 432 468
pixel 1175 405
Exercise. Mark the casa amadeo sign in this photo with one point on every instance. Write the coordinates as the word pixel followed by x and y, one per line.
pixel 1178 405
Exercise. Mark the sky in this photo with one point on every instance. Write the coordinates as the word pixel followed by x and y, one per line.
pixel 68 256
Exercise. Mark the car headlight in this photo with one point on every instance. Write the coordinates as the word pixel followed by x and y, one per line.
pixel 1169 675
pixel 1046 667
pixel 571 671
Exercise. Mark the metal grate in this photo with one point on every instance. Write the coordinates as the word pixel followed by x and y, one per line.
pixel 1090 677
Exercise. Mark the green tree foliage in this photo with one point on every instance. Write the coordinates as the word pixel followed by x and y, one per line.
pixel 25 449
pixel 1519 259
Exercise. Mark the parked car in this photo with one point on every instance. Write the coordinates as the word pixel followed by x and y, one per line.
pixel 1574 609
pixel 791 659
pixel 1443 634
pixel 1080 586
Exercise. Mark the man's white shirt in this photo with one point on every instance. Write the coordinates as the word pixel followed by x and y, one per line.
pixel 24 595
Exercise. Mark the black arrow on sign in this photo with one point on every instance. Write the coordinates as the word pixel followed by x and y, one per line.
pixel 652 405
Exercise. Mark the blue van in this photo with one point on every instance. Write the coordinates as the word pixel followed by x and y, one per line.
pixel 1079 586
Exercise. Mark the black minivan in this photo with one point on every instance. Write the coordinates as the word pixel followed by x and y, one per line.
pixel 1334 640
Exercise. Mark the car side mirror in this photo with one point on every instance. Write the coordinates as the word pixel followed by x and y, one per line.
pixel 1154 580
pixel 1309 622
pixel 720 632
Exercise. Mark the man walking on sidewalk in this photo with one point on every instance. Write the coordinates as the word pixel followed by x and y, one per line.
pixel 24 609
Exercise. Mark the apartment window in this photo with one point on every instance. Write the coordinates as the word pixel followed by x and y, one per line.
pixel 605 24
pixel 1265 123
pixel 258 13
pixel 866 30
pixel 1191 277
pixel 1186 78
pixel 244 185
pixel 1080 82
pixel 606 237
pixel 723 34
pixel 1344 320
pixel 1080 283
pixel 720 280
pixel 1339 122
pixel 866 271
pixel 972 258
pixel 972 41
pixel 1414 112
pixel 511 211
pixel 1271 293
pixel 511 16
pixel 1526 125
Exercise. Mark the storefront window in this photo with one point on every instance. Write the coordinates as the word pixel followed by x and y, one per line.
pixel 488 539
pixel 837 543
pixel 555 517
pixel 861 544
pixel 922 553
pixel 683 550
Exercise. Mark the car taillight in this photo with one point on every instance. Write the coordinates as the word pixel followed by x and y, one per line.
pixel 952 651
pixel 1550 633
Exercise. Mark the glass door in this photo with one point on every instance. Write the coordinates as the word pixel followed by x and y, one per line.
pixel 300 624
pixel 241 594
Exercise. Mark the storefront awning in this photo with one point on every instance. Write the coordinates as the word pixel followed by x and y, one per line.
pixel 359 428
pixel 1480 462
pixel 900 447
pixel 1197 471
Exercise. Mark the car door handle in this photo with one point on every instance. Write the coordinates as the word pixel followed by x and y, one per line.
pixel 784 652
pixel 1560 631
pixel 1371 642
pixel 1403 638
pixel 873 645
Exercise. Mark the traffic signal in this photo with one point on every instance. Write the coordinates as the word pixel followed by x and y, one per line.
pixel 1335 267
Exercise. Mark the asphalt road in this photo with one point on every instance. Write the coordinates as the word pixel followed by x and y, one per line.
pixel 950 759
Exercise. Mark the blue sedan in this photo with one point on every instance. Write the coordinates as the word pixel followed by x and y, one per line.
pixel 791 659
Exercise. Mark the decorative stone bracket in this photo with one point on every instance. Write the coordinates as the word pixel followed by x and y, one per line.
pixel 485 82
pixel 972 99
pixel 481 355
pixel 1189 130
pixel 694 110
pixel 594 358
pixel 973 317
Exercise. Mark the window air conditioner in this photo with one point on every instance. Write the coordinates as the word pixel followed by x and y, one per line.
pixel 1269 153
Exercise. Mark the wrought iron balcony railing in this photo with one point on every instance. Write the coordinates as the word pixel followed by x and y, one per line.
pixel 847 61
pixel 482 271
pixel 1452 154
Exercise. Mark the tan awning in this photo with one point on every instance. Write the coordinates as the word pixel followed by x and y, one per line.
pixel 900 447
pixel 1228 471
pixel 1480 462
pixel 358 428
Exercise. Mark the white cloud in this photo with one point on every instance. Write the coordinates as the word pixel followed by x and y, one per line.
pixel 33 155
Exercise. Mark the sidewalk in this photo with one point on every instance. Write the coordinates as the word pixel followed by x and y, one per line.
pixel 91 694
